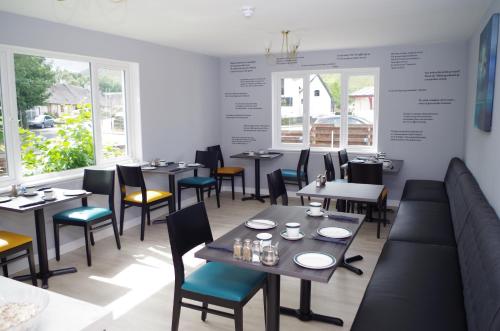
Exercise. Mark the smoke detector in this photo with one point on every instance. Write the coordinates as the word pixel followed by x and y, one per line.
pixel 247 11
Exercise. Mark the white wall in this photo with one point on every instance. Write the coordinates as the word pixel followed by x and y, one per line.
pixel 482 148
pixel 179 95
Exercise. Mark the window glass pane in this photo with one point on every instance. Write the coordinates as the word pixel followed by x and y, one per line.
pixel 291 110
pixel 361 111
pixel 324 110
pixel 112 112
pixel 3 151
pixel 55 114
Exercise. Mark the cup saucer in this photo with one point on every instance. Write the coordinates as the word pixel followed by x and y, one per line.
pixel 285 235
pixel 321 213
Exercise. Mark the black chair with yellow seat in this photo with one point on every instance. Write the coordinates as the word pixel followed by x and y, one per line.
pixel 90 218
pixel 227 173
pixel 147 200
pixel 14 247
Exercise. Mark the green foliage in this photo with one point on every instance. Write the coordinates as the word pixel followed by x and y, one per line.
pixel 332 81
pixel 72 78
pixel 108 84
pixel 34 77
pixel 73 147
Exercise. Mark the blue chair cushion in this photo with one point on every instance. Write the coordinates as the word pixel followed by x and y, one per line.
pixel 290 173
pixel 223 281
pixel 196 181
pixel 82 214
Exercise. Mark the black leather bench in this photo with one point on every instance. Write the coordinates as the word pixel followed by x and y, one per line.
pixel 440 267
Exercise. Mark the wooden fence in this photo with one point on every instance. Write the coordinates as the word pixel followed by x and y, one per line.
pixel 327 135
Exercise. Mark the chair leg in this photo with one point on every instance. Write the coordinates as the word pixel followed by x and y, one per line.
pixel 243 181
pixel 385 213
pixel 300 186
pixel 238 319
pixel 328 204
pixel 87 246
pixel 115 230
pixel 232 187
pixel 179 198
pixel 264 297
pixel 209 191
pixel 148 213
pixel 143 222
pixel 202 196
pixel 217 196
pixel 56 241
pixel 204 313
pixel 197 195
pixel 92 241
pixel 176 311
pixel 171 205
pixel 122 217
pixel 31 263
pixel 378 228
pixel 4 267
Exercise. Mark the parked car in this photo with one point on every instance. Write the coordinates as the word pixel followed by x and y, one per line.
pixel 42 121
pixel 335 120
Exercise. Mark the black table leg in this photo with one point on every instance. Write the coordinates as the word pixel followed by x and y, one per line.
pixel 304 313
pixel 43 261
pixel 256 195
pixel 171 188
pixel 273 303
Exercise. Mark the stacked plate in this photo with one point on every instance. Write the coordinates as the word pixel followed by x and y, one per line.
pixel 315 260
pixel 260 224
pixel 334 232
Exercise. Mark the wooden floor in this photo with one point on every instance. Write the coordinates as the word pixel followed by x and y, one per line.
pixel 136 283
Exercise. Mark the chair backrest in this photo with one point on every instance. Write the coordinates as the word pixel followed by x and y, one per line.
pixel 277 188
pixel 131 176
pixel 216 148
pixel 209 159
pixel 329 167
pixel 303 161
pixel 187 228
pixel 365 173
pixel 100 182
pixel 343 159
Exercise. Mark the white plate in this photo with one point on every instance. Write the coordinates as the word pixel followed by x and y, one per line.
pixel 314 260
pixel 308 212
pixel 194 164
pixel 260 224
pixel 49 199
pixel 285 235
pixel 72 193
pixel 148 168
pixel 5 199
pixel 334 232
pixel 32 194
pixel 265 155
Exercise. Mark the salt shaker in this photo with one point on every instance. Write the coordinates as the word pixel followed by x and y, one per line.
pixel 318 181
pixel 247 250
pixel 237 249
pixel 256 251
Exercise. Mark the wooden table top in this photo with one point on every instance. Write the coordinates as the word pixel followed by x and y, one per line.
pixel 171 169
pixel 344 191
pixel 257 156
pixel 16 203
pixel 288 249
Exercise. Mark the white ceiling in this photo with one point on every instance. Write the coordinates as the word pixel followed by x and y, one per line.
pixel 217 27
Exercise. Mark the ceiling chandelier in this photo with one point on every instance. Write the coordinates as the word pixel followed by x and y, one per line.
pixel 289 46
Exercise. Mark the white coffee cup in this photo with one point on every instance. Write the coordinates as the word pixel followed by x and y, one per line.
pixel 315 208
pixel 292 229
pixel 162 163
pixel 182 164
pixel 49 194
pixel 30 190
pixel 265 239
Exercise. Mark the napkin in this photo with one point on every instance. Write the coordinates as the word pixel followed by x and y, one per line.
pixel 332 240
pixel 343 218
pixel 221 246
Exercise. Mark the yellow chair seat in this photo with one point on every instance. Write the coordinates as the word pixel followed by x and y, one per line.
pixel 152 196
pixel 229 170
pixel 9 240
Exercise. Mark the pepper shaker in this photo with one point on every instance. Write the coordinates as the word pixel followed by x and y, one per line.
pixel 237 249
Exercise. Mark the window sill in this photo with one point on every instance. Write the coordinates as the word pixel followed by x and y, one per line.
pixel 358 151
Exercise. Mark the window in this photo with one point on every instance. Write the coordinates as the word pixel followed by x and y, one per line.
pixel 68 112
pixel 338 109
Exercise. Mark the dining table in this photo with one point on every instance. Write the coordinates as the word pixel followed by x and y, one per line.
pixel 257 157
pixel 288 250
pixel 390 166
pixel 36 204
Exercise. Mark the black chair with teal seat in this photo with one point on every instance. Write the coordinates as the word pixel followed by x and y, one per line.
pixel 90 218
pixel 146 199
pixel 277 188
pixel 227 173
pixel 213 283
pixel 13 247
pixel 209 160
pixel 298 175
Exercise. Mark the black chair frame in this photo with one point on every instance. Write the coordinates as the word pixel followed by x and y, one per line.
pixel 343 159
pixel 27 252
pixel 277 188
pixel 301 167
pixel 231 177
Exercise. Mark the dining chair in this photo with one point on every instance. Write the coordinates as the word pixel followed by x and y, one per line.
pixel 208 159
pixel 90 218
pixel 214 283
pixel 330 175
pixel 343 159
pixel 227 173
pixel 13 247
pixel 298 175
pixel 277 188
pixel 147 200
pixel 370 173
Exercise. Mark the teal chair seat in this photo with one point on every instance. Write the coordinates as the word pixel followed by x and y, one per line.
pixel 223 281
pixel 196 181
pixel 82 214
pixel 290 173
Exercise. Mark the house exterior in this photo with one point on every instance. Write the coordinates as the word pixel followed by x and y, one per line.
pixel 361 102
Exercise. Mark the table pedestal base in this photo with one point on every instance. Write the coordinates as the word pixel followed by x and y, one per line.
pixel 51 273
pixel 347 264
pixel 256 197
pixel 304 313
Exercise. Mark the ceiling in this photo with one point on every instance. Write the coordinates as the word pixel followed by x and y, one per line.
pixel 218 27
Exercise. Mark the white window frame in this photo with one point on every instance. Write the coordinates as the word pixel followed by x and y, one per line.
pixel 10 113
pixel 345 74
